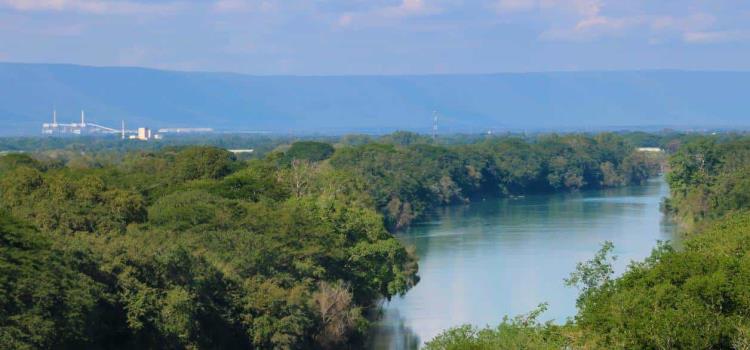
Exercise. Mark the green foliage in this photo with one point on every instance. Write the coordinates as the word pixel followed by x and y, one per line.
pixel 407 175
pixel 254 183
pixel 46 300
pixel 192 249
pixel 405 138
pixel 15 160
pixel 691 299
pixel 709 179
pixel 59 200
pixel 308 150
pixel 187 209
pixel 202 163
pixel 520 332
pixel 594 274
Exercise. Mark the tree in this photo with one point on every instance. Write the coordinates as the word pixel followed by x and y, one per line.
pixel 45 301
pixel 308 151
pixel 200 162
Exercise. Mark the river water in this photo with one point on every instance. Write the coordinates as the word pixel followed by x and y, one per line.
pixel 499 257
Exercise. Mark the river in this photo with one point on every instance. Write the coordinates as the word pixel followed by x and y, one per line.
pixel 499 257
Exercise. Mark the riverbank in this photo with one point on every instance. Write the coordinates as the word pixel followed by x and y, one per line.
pixel 499 257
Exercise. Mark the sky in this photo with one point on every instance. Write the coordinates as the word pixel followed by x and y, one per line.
pixel 354 37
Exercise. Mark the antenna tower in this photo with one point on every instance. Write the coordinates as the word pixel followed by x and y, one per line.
pixel 434 125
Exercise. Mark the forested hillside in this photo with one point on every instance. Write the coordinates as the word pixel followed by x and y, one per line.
pixel 695 297
pixel 188 247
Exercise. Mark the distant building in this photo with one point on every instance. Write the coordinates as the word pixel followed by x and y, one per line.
pixel 238 151
pixel 649 149
pixel 144 134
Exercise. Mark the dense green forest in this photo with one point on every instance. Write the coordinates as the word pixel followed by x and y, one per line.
pixel 189 247
pixel 695 297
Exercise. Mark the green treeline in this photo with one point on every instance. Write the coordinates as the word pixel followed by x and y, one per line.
pixel 697 297
pixel 406 175
pixel 189 247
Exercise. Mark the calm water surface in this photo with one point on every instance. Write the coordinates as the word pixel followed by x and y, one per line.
pixel 504 257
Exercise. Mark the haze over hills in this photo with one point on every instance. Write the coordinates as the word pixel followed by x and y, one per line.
pixel 338 104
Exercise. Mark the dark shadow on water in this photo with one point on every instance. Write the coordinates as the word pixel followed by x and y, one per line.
pixel 391 332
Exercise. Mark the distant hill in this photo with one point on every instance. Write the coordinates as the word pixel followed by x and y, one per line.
pixel 337 104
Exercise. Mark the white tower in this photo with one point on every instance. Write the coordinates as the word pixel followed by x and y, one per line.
pixel 83 118
pixel 434 124
pixel 54 118
pixel 122 131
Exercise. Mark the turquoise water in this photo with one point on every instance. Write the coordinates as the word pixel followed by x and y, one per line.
pixel 499 257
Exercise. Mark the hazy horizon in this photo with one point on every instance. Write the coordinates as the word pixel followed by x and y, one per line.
pixel 490 73
pixel 380 104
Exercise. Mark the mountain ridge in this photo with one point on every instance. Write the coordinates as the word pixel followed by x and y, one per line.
pixel 228 101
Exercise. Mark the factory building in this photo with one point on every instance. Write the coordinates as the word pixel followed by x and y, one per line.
pixel 87 128
pixel 82 128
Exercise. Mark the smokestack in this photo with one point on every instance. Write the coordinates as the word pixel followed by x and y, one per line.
pixel 123 130
pixel 54 117
pixel 83 118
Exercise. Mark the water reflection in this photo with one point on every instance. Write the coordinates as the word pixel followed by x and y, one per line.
pixel 393 333
pixel 503 257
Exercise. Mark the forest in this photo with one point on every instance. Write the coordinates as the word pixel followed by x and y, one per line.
pixel 186 246
pixel 695 296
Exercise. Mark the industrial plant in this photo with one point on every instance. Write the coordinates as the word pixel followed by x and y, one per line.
pixel 81 128
pixel 88 128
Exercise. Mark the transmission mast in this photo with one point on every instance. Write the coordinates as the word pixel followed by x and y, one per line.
pixel 434 125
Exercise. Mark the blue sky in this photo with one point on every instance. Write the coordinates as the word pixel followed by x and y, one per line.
pixel 323 37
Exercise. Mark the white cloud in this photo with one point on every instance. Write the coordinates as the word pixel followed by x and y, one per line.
pixel 387 14
pixel 588 8
pixel 593 27
pixel 409 8
pixel 243 6
pixel 693 22
pixel 512 6
pixel 91 6
pixel 345 20
pixel 586 20
pixel 715 37
pixel 590 22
